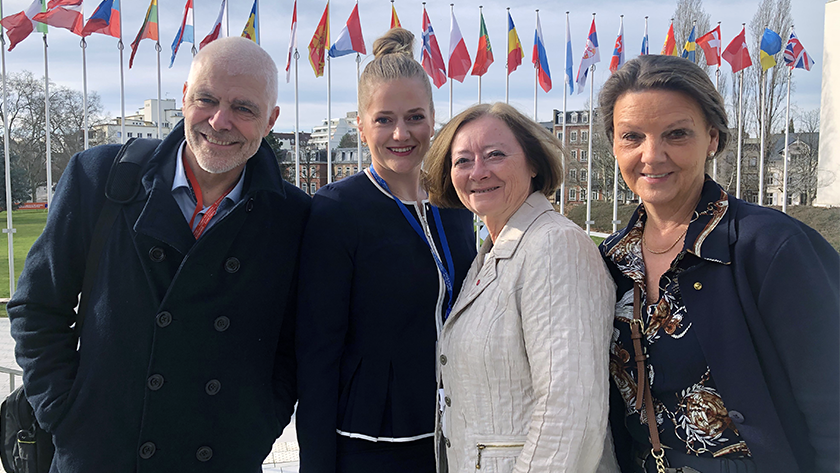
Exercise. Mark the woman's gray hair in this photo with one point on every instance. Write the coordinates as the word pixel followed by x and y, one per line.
pixel 652 72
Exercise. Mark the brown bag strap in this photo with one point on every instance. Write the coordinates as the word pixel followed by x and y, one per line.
pixel 643 396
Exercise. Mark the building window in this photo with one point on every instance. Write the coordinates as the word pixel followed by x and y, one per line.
pixel 582 175
pixel 128 134
pixel 148 135
pixel 560 136
pixel 574 154
pixel 119 134
pixel 583 155
pixel 594 195
pixel 573 136
pixel 584 135
pixel 753 162
pixel 572 194
pixel 773 179
pixel 769 198
pixel 574 118
pixel 312 188
pixel 337 172
pixel 573 175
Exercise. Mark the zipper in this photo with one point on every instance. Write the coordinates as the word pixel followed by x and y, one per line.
pixel 483 446
pixel 421 214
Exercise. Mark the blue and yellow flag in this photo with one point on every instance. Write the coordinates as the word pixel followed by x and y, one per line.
pixel 771 44
pixel 252 27
pixel 689 51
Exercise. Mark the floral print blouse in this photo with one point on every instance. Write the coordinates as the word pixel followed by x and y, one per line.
pixel 690 414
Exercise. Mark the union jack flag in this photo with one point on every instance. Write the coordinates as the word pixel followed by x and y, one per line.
pixel 795 55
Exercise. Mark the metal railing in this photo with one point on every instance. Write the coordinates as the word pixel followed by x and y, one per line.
pixel 12 373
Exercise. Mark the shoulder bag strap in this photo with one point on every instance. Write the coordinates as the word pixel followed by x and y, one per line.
pixel 121 188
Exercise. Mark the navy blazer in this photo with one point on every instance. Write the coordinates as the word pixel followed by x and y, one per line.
pixel 765 306
pixel 370 295
pixel 186 360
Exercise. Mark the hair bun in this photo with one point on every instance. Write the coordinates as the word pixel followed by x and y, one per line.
pixel 395 41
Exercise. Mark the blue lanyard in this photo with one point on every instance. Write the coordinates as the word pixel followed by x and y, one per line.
pixel 448 272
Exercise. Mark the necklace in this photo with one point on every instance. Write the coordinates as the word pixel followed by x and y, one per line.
pixel 666 249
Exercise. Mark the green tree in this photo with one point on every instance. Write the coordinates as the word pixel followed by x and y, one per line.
pixel 348 141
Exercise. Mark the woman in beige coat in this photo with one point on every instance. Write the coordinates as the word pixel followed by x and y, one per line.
pixel 523 356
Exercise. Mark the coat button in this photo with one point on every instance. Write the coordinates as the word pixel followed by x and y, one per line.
pixel 155 382
pixel 250 205
pixel 221 324
pixel 448 443
pixel 163 319
pixel 212 387
pixel 156 254
pixel 204 454
pixel 232 265
pixel 147 450
pixel 447 401
pixel 443 359
pixel 736 417
pixel 698 286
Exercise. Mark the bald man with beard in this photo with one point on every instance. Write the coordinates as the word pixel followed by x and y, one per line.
pixel 186 358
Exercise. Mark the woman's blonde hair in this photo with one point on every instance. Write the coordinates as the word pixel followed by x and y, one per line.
pixel 543 152
pixel 393 59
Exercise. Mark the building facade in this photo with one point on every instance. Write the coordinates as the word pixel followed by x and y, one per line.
pixel 143 124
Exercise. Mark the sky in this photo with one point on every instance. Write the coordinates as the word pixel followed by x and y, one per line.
pixel 103 65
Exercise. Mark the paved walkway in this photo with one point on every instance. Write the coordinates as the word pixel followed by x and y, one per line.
pixel 284 455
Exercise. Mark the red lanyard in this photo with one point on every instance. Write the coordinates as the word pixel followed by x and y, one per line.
pixel 199 202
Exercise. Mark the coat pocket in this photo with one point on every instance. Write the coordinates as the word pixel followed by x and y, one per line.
pixel 497 453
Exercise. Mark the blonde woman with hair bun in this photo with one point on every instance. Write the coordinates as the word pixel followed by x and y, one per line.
pixel 382 267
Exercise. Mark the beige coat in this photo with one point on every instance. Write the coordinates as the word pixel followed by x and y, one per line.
pixel 523 356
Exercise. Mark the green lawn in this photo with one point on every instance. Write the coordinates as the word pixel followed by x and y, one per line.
pixel 28 226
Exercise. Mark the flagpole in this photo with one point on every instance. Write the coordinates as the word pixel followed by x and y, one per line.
pixel 717 87
pixel 160 102
pixel 193 50
pixel 9 230
pixel 121 47
pixel 451 80
pixel 762 125
pixel 257 21
pixel 83 45
pixel 536 71
pixel 329 122
pixel 615 220
pixel 47 122
pixel 693 26
pixel 740 132
pixel 480 16
pixel 565 96
pixel 297 125
pixel 589 221
pixel 787 141
pixel 227 19
pixel 507 59
pixel 358 135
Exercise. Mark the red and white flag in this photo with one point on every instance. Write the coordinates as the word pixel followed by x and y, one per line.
pixel 710 43
pixel 63 14
pixel 432 60
pixel 459 57
pixel 218 30
pixel 736 54
pixel 292 42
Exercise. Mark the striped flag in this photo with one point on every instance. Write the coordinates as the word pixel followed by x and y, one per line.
pixel 395 20
pixel 20 25
pixel 350 39
pixel 252 26
pixel 515 52
pixel 670 46
pixel 591 56
pixel 65 14
pixel 645 43
pixel 540 59
pixel 459 56
pixel 771 44
pixel 186 32
pixel 218 30
pixel 617 59
pixel 149 29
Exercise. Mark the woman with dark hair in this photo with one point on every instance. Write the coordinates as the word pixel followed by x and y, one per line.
pixel 724 356
pixel 380 270
pixel 523 356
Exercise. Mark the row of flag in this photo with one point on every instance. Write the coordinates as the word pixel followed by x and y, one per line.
pixel 106 20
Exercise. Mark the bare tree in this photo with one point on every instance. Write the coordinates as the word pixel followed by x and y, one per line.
pixel 26 119
pixel 775 15
pixel 804 158
pixel 688 14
